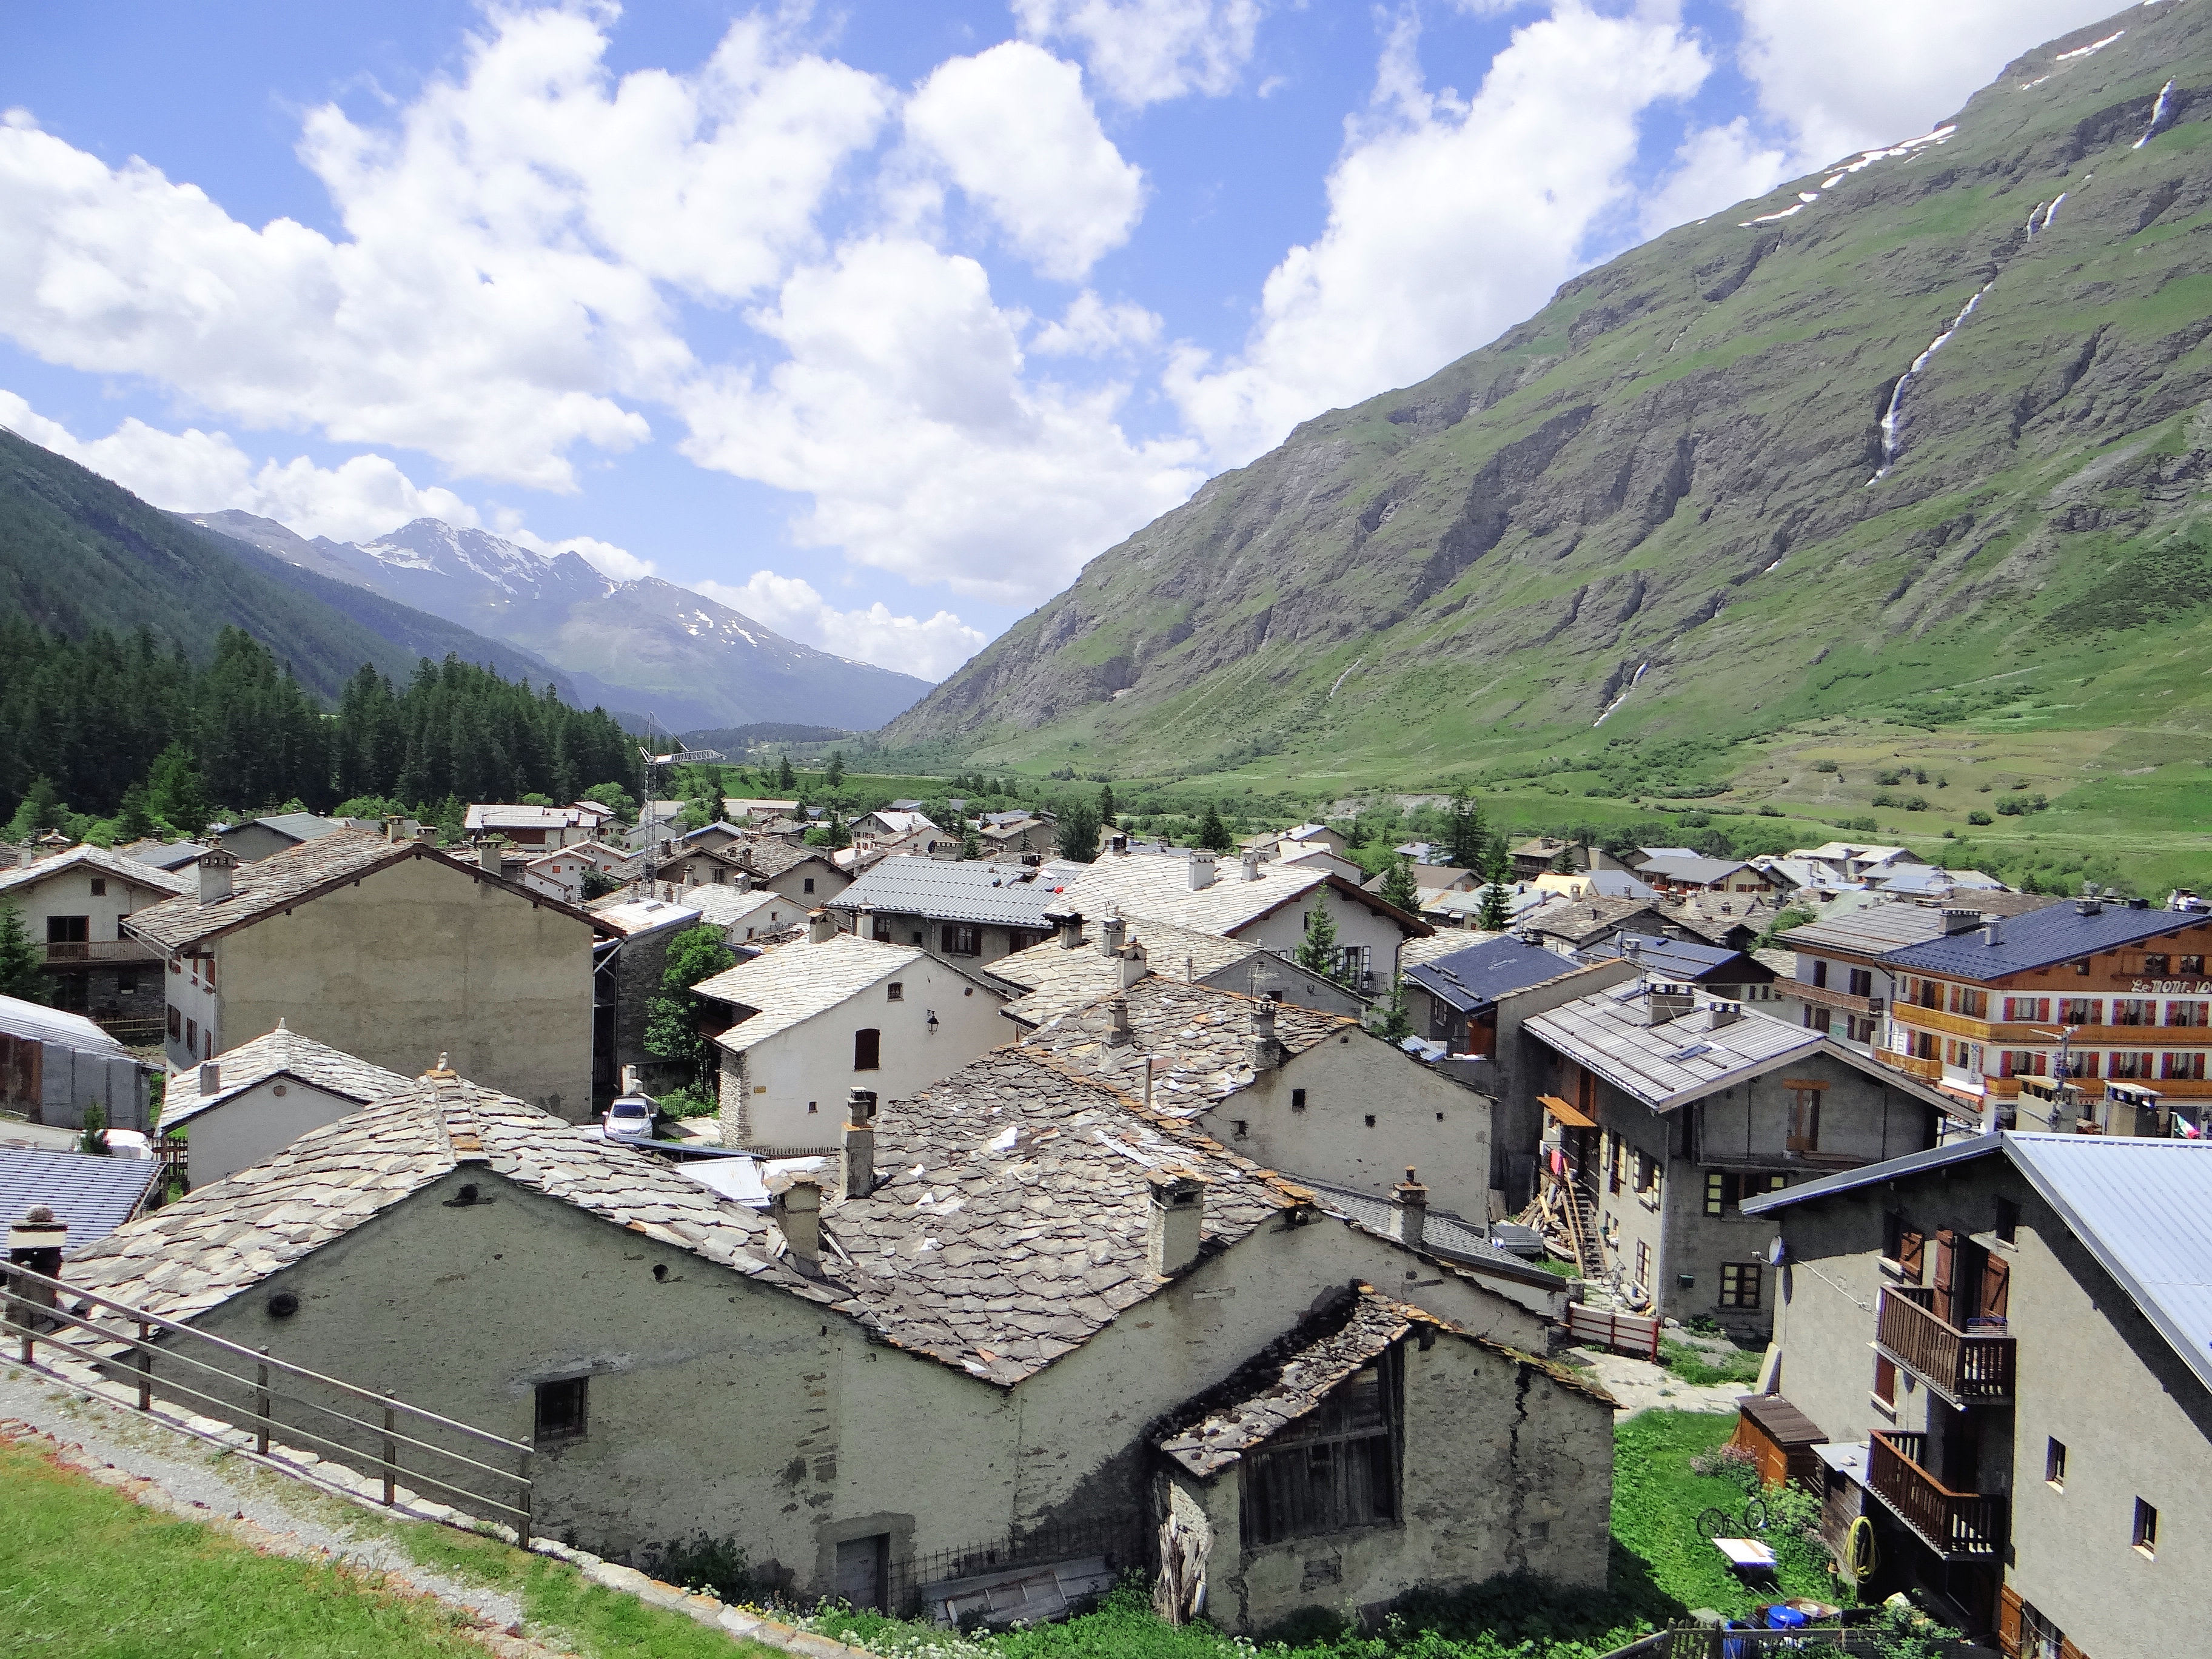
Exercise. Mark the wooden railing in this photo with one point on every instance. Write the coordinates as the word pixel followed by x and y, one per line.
pixel 1970 1368
pixel 1928 1071
pixel 1956 1525
pixel 100 950
pixel 1806 991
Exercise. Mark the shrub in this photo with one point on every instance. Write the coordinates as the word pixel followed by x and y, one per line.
pixel 1889 776
pixel 1979 817
pixel 1883 798
pixel 1823 766
pixel 1917 804
pixel 1738 1465
pixel 1768 810
pixel 715 1565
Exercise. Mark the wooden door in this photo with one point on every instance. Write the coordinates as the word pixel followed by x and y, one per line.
pixel 1947 1252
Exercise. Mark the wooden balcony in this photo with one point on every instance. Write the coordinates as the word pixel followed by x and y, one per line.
pixel 1928 1071
pixel 1822 996
pixel 1967 1367
pixel 83 952
pixel 1959 1526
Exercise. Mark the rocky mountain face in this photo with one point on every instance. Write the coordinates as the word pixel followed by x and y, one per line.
pixel 1929 418
pixel 639 646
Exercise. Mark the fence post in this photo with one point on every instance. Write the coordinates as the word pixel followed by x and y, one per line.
pixel 261 1406
pixel 390 1454
pixel 145 1366
pixel 529 1505
pixel 19 1310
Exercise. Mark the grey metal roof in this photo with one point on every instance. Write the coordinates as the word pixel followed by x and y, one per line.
pixel 1679 1060
pixel 1872 931
pixel 1677 958
pixel 945 891
pixel 44 1024
pixel 94 1195
pixel 300 826
pixel 2144 1208
pixel 1478 975
pixel 1672 866
pixel 2055 934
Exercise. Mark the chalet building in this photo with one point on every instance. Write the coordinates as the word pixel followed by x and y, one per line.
pixel 1671 871
pixel 537 827
pixel 249 1103
pixel 803 874
pixel 1024 1322
pixel 1546 854
pixel 1253 901
pixel 2000 1346
pixel 378 948
pixel 1995 1009
pixel 1847 862
pixel 969 913
pixel 1316 1095
pixel 1075 968
pixel 74 905
pixel 1668 1115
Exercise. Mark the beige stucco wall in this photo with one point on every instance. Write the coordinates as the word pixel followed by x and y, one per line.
pixel 257 1124
pixel 1421 1119
pixel 789 1090
pixel 1284 930
pixel 420 959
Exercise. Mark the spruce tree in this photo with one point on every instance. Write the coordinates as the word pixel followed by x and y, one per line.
pixel 1465 833
pixel 93 1141
pixel 836 775
pixel 178 794
pixel 786 779
pixel 1396 1021
pixel 1400 887
pixel 673 1017
pixel 1318 951
pixel 22 964
pixel 1077 836
pixel 1495 916
pixel 1212 833
pixel 1106 816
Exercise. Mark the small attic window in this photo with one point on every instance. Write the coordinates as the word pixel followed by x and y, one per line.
pixel 895 992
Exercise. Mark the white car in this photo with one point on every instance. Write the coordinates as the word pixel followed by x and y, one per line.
pixel 629 1118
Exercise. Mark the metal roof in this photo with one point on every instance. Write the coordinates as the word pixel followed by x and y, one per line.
pixel 44 1024
pixel 1676 959
pixel 2055 934
pixel 93 1195
pixel 1935 879
pixel 1871 931
pixel 1478 975
pixel 1676 1061
pixel 943 890
pixel 2144 1208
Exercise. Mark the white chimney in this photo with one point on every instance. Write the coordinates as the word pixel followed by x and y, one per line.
pixel 1175 1220
pixel 1409 1221
pixel 210 1078
pixel 1201 869
pixel 1251 863
pixel 1111 933
pixel 216 866
pixel 488 854
pixel 821 927
pixel 1993 930
pixel 796 1209
pixel 1134 965
pixel 857 1168
pixel 1266 1051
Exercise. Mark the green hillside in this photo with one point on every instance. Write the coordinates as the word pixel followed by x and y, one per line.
pixel 1648 551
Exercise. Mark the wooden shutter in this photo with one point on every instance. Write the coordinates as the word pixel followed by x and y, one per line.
pixel 1997 1286
pixel 2008 1621
pixel 1911 1250
pixel 1946 1252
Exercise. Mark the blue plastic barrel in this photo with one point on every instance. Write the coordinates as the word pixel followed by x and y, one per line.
pixel 1781 1617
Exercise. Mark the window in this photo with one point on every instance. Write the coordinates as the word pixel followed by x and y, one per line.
pixel 2007 1222
pixel 2193 967
pixel 1858 1029
pixel 1334 1469
pixel 2082 967
pixel 68 930
pixel 959 939
pixel 2146 1528
pixel 1297 1100
pixel 807 886
pixel 1967 1000
pixel 2024 1062
pixel 1819 972
pixel 2085 1065
pixel 1371 1120
pixel 1646 1172
pixel 1821 1019
pixel 2054 1463
pixel 881 930
pixel 2128 1064
pixel 2155 962
pixel 1642 1263
pixel 560 1411
pixel 1243 1127
pixel 2186 1013
pixel 1740 1284
pixel 1804 1119
pixel 867 1051
pixel 2023 1011
pixel 1862 981
pixel 1721 1191
pixel 175 1024
pixel 1614 1164
pixel 191 1036
pixel 895 992
pixel 2175 1067
pixel 1885 1382
pixel 99 888
pixel 2134 1010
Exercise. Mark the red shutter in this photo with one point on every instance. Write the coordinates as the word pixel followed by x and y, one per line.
pixel 1945 1242
pixel 1996 1286
pixel 2008 1621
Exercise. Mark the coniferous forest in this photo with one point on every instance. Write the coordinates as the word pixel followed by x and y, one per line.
pixel 122 726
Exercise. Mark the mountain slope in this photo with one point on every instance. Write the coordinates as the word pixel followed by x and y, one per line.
pixel 1666 481
pixel 643 644
pixel 78 553
pixel 317 570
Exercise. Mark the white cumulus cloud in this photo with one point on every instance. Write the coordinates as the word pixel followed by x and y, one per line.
pixel 928 647
pixel 1713 168
pixel 1013 129
pixel 1448 219
pixel 1092 328
pixel 1142 52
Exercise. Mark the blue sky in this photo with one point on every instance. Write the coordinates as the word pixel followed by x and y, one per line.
pixel 874 320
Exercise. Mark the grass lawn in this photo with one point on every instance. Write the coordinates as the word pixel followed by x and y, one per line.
pixel 1703 1366
pixel 86 1572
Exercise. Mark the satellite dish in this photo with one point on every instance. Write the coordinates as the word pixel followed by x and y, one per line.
pixel 1777 1251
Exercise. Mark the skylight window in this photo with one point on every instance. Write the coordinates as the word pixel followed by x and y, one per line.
pixel 1691 1052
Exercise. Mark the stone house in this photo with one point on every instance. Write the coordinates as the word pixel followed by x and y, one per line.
pixel 379 949
pixel 2002 1346
pixel 1314 1095
pixel 969 913
pixel 1063 1288
pixel 1073 969
pixel 73 906
pixel 536 828
pixel 1255 902
pixel 1008 838
pixel 1431 879
pixel 1666 1116
pixel 249 1103
pixel 259 838
pixel 821 1015
pixel 1531 859
pixel 53 1064
pixel 1570 926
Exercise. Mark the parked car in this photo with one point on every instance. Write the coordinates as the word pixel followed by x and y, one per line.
pixel 631 1118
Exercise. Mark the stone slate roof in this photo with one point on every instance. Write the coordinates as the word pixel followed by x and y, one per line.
pixel 98 860
pixel 1575 922
pixel 793 982
pixel 93 1195
pixel 282 1052
pixel 1156 886
pixel 299 874
pixel 943 890
pixel 1200 1040
pixel 1060 981
pixel 769 856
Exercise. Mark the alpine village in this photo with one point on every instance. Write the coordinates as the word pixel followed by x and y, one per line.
pixel 1467 1049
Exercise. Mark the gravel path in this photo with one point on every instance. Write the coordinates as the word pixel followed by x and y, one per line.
pixel 1641 1385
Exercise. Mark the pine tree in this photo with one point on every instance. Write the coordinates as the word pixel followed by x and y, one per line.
pixel 1106 814
pixel 1400 887
pixel 1212 833
pixel 1077 836
pixel 1465 834
pixel 971 844
pixel 1495 916
pixel 1318 951
pixel 672 1019
pixel 786 779
pixel 22 964
pixel 836 775
pixel 1396 1023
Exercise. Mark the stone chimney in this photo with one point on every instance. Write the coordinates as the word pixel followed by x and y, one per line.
pixel 1134 965
pixel 633 1081
pixel 1071 930
pixel 1111 933
pixel 1960 921
pixel 796 1209
pixel 391 830
pixel 37 1242
pixel 1993 930
pixel 857 1169
pixel 1118 845
pixel 821 927
pixel 1119 1034
pixel 488 854
pixel 1719 1014
pixel 427 834
pixel 1665 1002
pixel 1266 1051
pixel 1409 1220
pixel 1251 863
pixel 1201 869
pixel 210 1078
pixel 690 873
pixel 1175 1220
pixel 216 866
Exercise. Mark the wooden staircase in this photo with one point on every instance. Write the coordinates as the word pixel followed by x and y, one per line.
pixel 1566 1216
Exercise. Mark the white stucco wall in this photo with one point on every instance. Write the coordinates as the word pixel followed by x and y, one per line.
pixel 1285 930
pixel 257 1124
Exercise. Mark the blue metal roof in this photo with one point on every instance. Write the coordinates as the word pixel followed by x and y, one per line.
pixel 2143 1207
pixel 94 1195
pixel 2055 934
pixel 1479 975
